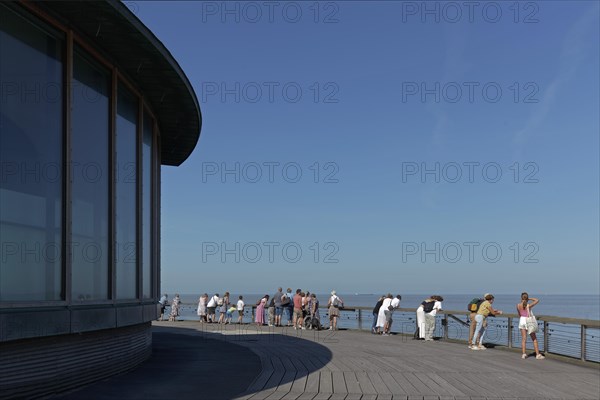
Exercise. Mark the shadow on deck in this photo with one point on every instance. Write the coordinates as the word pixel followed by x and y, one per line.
pixel 193 360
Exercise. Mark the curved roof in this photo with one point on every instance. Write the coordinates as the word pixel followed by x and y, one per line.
pixel 111 27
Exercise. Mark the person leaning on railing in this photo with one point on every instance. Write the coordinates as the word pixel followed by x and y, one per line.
pixel 485 309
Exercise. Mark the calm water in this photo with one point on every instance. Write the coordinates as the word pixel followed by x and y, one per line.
pixel 571 306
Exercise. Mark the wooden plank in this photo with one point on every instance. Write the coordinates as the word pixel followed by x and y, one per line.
pixel 450 390
pixel 301 376
pixel 338 396
pixel 262 395
pixel 369 397
pixel 365 383
pixel 262 379
pixel 378 384
pixel 466 390
pixel 352 383
pixel 326 382
pixel 339 384
pixel 393 386
pixel 322 396
pixel 307 396
pixel 312 383
pixel 327 363
pixel 431 384
pixel 288 377
pixel 277 375
pixel 353 396
pixel 291 396
pixel 423 389
pixel 277 395
pixel 406 386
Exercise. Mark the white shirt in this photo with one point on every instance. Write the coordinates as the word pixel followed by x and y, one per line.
pixel 436 306
pixel 395 302
pixel 213 301
pixel 333 299
pixel 240 305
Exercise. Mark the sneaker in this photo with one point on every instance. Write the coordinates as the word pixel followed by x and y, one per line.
pixel 481 347
pixel 385 334
pixel 331 328
pixel 474 348
pixel 539 357
pixel 523 356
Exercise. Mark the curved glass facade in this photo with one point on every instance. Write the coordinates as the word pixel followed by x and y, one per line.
pixel 31 160
pixel 90 143
pixel 78 170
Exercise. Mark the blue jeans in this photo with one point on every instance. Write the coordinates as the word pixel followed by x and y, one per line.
pixel 374 322
pixel 479 328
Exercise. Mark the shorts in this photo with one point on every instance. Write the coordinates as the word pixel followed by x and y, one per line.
pixel 297 313
pixel 278 311
pixel 241 313
pixel 211 310
pixel 388 316
pixel 523 323
pixel 334 312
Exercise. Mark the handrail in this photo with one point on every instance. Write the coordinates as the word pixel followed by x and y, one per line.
pixel 572 339
pixel 589 323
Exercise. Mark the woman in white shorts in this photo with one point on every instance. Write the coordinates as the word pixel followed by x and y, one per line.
pixel 523 309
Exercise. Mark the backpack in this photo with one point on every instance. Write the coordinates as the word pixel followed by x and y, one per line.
pixel 428 306
pixel 220 302
pixel 473 306
pixel 285 300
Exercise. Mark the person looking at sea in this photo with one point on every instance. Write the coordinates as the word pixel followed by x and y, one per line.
pixel 164 301
pixel 524 311
pixel 334 304
pixel 375 314
pixel 484 310
pixel 277 300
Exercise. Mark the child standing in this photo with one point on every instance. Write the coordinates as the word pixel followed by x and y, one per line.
pixel 240 309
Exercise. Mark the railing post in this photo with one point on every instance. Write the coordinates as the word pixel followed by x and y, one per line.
pixel 445 326
pixel 510 336
pixel 582 342
pixel 546 345
pixel 359 320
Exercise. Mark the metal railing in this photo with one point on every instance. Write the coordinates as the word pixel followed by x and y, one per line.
pixel 570 337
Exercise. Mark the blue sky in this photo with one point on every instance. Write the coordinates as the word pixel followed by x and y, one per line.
pixel 517 95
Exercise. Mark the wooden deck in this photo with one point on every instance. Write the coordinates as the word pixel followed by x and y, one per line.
pixel 348 365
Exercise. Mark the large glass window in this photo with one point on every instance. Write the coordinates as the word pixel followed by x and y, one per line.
pixel 147 206
pixel 126 201
pixel 31 132
pixel 90 179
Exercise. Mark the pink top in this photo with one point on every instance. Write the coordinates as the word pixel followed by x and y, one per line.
pixel 523 312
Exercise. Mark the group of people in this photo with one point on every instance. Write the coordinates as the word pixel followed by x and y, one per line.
pixel 478 325
pixel 302 311
pixel 207 308
pixel 382 314
pixel 175 304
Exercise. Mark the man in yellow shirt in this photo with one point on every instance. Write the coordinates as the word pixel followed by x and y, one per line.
pixel 485 309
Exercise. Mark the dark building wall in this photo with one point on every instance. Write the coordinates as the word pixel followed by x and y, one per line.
pixel 39 367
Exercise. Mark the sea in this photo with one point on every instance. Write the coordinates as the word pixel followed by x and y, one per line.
pixel 569 306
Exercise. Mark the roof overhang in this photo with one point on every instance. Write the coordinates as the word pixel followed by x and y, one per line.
pixel 112 28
